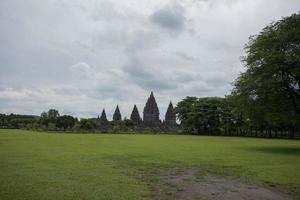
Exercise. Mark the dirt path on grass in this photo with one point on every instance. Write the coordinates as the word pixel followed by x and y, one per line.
pixel 184 184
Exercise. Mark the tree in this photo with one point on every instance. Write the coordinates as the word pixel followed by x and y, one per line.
pixel 65 122
pixel 53 115
pixel 268 92
pixel 49 117
pixel 16 120
pixel 184 107
pixel 44 119
pixel 3 122
pixel 212 115
pixel 88 124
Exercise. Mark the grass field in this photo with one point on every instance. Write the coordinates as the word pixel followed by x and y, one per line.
pixel 38 165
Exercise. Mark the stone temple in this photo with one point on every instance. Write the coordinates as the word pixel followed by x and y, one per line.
pixel 103 116
pixel 117 115
pixel 151 112
pixel 170 117
pixel 135 116
pixel 150 116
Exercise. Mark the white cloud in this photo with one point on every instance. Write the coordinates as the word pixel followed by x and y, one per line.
pixel 82 70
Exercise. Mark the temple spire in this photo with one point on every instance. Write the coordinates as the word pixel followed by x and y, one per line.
pixel 170 117
pixel 117 115
pixel 151 94
pixel 135 116
pixel 103 116
pixel 151 112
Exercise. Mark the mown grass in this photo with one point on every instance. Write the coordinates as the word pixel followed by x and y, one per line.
pixel 39 165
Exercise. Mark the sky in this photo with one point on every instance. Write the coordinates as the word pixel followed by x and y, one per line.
pixel 82 56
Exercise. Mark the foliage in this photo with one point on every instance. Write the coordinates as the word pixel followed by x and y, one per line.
pixel 53 115
pixel 206 115
pixel 44 119
pixel 88 124
pixel 49 117
pixel 128 123
pixel 16 121
pixel 65 122
pixel 268 92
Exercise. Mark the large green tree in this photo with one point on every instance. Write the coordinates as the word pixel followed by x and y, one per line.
pixel 268 92
pixel 208 115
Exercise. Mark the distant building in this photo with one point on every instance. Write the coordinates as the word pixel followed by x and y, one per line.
pixel 103 116
pixel 135 116
pixel 117 115
pixel 150 117
pixel 151 113
pixel 170 117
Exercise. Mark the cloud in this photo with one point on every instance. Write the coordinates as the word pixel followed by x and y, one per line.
pixel 13 94
pixel 170 17
pixel 82 70
pixel 67 91
pixel 184 56
pixel 146 79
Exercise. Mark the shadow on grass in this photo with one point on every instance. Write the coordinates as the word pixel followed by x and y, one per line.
pixel 277 150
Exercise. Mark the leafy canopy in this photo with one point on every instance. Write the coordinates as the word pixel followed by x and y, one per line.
pixel 268 91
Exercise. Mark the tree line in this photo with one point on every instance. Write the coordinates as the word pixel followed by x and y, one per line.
pixel 51 120
pixel 47 120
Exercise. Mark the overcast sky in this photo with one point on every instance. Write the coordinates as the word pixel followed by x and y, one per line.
pixel 80 56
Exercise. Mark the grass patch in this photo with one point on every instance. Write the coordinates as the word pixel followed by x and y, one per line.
pixel 38 165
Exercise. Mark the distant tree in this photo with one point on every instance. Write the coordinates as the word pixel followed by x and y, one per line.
pixel 88 124
pixel 128 122
pixel 3 120
pixel 211 115
pixel 44 118
pixel 65 122
pixel 49 117
pixel 53 115
pixel 16 120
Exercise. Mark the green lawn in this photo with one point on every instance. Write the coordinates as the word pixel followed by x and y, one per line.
pixel 38 165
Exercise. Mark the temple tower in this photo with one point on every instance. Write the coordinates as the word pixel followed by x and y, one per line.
pixel 135 116
pixel 151 112
pixel 170 117
pixel 117 115
pixel 103 116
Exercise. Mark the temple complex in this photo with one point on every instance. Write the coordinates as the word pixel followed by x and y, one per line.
pixel 150 117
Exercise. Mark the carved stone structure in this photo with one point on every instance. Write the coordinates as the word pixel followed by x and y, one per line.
pixel 150 120
pixel 135 116
pixel 103 116
pixel 103 124
pixel 117 115
pixel 170 117
pixel 151 113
